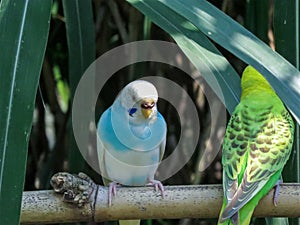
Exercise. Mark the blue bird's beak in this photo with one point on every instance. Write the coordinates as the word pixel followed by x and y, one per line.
pixel 147 106
pixel 146 113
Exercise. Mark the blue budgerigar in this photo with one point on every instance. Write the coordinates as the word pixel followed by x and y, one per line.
pixel 132 139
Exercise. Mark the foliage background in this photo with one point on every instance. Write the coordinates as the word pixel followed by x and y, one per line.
pixel 102 25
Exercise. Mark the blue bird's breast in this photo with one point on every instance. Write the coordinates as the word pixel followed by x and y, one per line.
pixel 116 131
pixel 131 153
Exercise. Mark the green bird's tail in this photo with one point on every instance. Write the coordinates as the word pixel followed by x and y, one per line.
pixel 129 222
pixel 245 220
pixel 243 217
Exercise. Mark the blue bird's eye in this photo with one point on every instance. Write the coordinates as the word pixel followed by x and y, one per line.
pixel 131 111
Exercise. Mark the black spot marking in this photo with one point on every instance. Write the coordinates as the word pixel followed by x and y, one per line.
pixel 240 137
pixel 231 136
pixel 243 145
pixel 234 145
pixel 253 147
pixel 264 149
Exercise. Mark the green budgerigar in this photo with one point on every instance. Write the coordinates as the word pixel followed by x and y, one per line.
pixel 256 146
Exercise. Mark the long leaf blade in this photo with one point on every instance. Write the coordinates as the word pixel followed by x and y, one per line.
pixel 198 49
pixel 80 37
pixel 286 30
pixel 22 52
pixel 81 48
pixel 284 77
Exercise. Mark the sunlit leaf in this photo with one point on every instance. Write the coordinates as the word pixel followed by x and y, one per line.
pixel 198 48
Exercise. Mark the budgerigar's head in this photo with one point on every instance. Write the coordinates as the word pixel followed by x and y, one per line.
pixel 252 80
pixel 139 98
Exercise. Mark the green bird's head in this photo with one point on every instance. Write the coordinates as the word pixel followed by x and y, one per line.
pixel 253 81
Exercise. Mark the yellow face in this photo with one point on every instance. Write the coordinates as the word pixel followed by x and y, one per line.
pixel 147 107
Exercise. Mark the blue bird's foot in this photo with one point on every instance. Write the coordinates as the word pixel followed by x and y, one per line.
pixel 112 191
pixel 157 185
pixel 276 191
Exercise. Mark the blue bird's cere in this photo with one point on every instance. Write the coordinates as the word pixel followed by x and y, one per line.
pixel 132 138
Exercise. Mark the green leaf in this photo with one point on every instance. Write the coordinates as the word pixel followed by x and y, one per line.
pixel 81 45
pixel 202 53
pixel 286 20
pixel 80 37
pixel 283 77
pixel 286 32
pixel 24 27
pixel 257 18
pixel 63 90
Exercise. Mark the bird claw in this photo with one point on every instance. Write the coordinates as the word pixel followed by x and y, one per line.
pixel 276 192
pixel 157 186
pixel 112 191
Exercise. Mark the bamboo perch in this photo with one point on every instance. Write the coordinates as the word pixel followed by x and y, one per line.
pixel 86 201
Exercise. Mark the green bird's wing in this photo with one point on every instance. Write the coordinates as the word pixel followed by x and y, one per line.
pixel 256 146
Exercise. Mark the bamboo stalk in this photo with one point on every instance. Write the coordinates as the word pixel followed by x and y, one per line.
pixel 47 207
pixel 193 201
